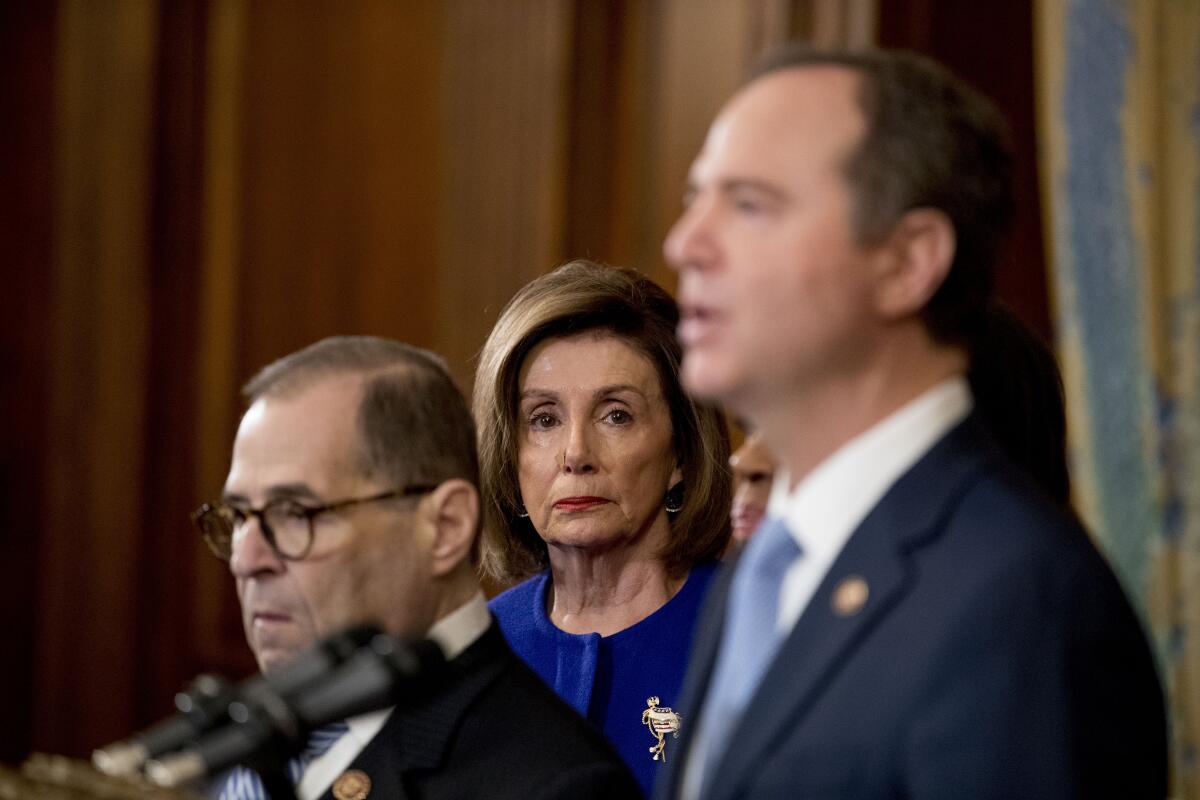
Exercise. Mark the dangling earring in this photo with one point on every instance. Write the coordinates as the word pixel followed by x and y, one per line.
pixel 673 500
pixel 521 512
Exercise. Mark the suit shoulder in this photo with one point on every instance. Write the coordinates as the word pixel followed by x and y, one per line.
pixel 1002 540
pixel 520 720
pixel 1005 512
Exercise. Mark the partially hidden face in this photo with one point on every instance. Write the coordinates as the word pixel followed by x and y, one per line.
pixel 368 562
pixel 753 470
pixel 595 455
pixel 773 285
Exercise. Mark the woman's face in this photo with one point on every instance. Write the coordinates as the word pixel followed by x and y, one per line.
pixel 594 454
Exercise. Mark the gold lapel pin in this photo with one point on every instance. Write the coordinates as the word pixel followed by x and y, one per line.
pixel 353 784
pixel 850 596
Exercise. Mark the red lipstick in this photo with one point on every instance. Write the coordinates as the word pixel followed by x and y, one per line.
pixel 571 504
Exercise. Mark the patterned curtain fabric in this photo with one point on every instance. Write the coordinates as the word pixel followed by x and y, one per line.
pixel 1119 116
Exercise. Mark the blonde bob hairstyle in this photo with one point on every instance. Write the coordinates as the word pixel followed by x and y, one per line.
pixel 581 297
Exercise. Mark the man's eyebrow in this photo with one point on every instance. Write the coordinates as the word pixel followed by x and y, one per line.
pixel 289 491
pixel 284 491
pixel 731 185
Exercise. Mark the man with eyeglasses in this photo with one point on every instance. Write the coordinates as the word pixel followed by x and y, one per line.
pixel 351 499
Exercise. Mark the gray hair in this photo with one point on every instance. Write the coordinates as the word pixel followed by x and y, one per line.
pixel 413 423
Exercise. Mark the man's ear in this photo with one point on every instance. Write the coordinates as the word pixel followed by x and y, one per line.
pixel 915 260
pixel 453 511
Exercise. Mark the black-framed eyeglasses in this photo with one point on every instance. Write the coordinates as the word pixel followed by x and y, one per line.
pixel 286 523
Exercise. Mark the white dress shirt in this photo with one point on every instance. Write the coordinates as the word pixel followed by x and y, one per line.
pixel 454 633
pixel 829 504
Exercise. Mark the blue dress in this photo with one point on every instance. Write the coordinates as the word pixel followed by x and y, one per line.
pixel 610 679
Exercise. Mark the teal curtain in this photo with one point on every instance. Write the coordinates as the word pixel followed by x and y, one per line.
pixel 1120 145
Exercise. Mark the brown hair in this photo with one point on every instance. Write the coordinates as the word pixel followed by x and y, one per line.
pixel 1018 391
pixel 577 297
pixel 931 141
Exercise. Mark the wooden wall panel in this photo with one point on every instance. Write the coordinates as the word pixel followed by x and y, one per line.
pixel 705 48
pixel 213 621
pixel 505 72
pixel 648 79
pixel 166 546
pixel 27 46
pixel 98 340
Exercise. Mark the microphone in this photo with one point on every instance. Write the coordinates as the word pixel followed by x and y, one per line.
pixel 201 707
pixel 204 704
pixel 265 722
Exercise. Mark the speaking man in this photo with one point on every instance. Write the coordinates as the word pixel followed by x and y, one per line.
pixel 352 498
pixel 911 620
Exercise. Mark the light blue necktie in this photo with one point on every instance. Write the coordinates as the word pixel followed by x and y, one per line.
pixel 244 784
pixel 750 637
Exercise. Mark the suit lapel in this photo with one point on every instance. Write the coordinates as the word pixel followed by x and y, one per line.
pixel 699 672
pixel 823 638
pixel 418 733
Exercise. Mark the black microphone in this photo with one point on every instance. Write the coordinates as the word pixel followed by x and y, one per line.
pixel 266 724
pixel 201 707
pixel 204 705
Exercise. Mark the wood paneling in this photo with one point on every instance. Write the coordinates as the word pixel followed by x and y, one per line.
pixel 27 41
pixel 505 78
pixel 97 327
pixel 213 620
pixel 166 547
pixel 338 189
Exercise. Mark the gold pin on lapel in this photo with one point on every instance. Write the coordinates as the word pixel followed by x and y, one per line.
pixel 850 596
pixel 353 784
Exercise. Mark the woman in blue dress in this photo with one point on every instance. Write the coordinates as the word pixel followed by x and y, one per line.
pixel 606 492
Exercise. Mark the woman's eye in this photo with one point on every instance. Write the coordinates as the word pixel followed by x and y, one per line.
pixel 619 416
pixel 542 421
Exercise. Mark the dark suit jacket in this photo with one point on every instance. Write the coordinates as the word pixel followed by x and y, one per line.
pixel 995 657
pixel 493 731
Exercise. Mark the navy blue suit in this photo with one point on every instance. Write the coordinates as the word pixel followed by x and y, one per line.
pixel 995 657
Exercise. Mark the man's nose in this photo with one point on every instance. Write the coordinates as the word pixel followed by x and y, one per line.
pixel 251 553
pixel 688 243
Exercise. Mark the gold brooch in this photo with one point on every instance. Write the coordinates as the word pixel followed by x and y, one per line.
pixel 352 784
pixel 661 721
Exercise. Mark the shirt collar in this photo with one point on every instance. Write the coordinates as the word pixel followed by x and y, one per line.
pixel 363 728
pixel 459 629
pixel 828 505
